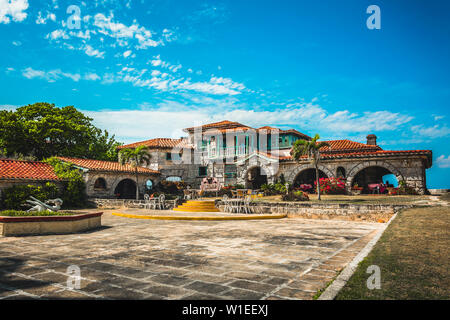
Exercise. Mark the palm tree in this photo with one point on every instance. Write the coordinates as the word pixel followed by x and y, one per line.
pixel 135 158
pixel 311 149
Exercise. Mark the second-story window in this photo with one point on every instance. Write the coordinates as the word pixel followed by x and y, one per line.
pixel 168 156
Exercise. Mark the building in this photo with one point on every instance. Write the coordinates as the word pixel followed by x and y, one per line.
pixel 104 179
pixel 234 154
pixel 239 154
pixel 20 172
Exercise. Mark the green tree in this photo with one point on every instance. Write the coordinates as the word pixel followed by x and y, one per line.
pixel 43 130
pixel 310 149
pixel 135 158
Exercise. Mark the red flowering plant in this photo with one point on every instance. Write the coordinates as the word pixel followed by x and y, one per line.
pixel 331 185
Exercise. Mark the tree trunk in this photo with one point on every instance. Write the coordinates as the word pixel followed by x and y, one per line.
pixel 317 181
pixel 137 183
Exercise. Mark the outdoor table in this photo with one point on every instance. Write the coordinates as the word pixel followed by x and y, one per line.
pixel 376 186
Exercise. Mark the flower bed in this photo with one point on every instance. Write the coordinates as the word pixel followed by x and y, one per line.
pixel 331 186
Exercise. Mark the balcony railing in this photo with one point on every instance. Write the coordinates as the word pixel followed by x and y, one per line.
pixel 228 152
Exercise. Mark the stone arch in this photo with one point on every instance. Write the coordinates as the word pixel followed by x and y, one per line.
pixel 126 189
pixel 100 183
pixel 264 172
pixel 120 180
pixel 366 164
pixel 295 172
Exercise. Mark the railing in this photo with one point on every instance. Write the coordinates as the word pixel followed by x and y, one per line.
pixel 227 152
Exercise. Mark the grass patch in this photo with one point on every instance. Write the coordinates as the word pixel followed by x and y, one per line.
pixel 17 213
pixel 319 292
pixel 413 257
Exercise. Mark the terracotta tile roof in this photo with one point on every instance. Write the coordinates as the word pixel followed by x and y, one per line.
pixel 108 166
pixel 26 170
pixel 377 153
pixel 159 143
pixel 225 124
pixel 348 145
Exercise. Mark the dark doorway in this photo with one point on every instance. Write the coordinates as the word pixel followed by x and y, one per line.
pixel 308 176
pixel 371 175
pixel 126 189
pixel 256 178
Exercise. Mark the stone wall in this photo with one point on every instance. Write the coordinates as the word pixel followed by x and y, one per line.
pixel 127 203
pixel 293 209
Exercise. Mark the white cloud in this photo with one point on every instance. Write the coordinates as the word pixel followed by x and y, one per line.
pixel 120 31
pixel 91 76
pixel 57 74
pixel 127 53
pixel 93 52
pixel 435 131
pixel 17 43
pixel 13 9
pixel 43 20
pixel 169 82
pixel 443 162
pixel 131 126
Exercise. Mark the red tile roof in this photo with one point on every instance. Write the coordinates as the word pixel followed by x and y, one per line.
pixel 348 145
pixel 26 170
pixel 159 143
pixel 225 124
pixel 106 166
pixel 363 153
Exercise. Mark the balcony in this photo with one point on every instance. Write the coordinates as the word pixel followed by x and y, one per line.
pixel 229 152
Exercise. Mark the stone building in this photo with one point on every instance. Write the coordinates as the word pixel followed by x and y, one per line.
pixel 238 154
pixel 21 172
pixel 104 179
pixel 108 179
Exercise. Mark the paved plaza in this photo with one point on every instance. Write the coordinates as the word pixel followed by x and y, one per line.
pixel 159 259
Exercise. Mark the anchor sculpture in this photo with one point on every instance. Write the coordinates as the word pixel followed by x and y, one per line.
pixel 39 206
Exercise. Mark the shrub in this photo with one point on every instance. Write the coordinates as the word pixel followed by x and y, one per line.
pixel 73 191
pixel 15 197
pixel 296 196
pixel 331 186
pixel 171 187
pixel 404 189
pixel 270 189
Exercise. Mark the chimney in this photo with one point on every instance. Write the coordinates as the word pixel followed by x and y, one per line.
pixel 371 140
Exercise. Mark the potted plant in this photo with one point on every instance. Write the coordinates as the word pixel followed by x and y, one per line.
pixel 357 189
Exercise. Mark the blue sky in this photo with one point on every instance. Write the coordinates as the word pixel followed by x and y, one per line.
pixel 145 69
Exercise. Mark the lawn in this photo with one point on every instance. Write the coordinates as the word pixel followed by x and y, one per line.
pixel 413 255
pixel 16 213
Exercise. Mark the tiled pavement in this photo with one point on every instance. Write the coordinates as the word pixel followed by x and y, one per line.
pixel 153 259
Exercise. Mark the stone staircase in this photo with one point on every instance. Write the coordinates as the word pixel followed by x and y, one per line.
pixel 197 206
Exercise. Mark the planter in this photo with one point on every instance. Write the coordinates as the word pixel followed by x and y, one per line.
pixel 357 191
pixel 39 225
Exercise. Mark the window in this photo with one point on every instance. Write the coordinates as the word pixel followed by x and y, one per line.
pixel 100 183
pixel 168 156
pixel 173 179
pixel 202 171
pixel 340 172
pixel 149 184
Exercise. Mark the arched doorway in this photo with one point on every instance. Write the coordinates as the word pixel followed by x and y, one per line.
pixel 100 183
pixel 126 189
pixel 373 175
pixel 255 178
pixel 308 177
pixel 149 185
